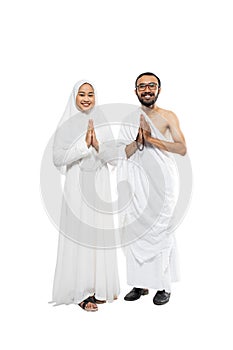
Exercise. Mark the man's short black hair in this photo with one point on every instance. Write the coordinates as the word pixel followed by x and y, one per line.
pixel 147 73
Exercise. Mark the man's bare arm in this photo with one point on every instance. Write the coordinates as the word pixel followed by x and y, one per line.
pixel 174 147
pixel 178 146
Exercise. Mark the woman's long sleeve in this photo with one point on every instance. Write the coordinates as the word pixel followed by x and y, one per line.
pixel 64 156
pixel 108 152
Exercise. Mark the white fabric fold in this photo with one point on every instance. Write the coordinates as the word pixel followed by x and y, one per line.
pixel 153 178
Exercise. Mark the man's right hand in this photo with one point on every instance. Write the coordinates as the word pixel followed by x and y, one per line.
pixel 139 137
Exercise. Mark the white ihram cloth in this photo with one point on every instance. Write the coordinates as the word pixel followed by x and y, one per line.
pixel 147 230
pixel 85 263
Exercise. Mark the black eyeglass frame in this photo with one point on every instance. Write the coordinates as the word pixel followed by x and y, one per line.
pixel 154 85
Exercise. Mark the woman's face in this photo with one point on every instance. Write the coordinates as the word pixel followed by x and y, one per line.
pixel 85 98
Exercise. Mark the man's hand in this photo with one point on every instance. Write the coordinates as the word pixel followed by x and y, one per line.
pixel 145 127
pixel 139 137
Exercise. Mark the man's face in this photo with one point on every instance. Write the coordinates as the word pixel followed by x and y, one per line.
pixel 147 90
pixel 85 98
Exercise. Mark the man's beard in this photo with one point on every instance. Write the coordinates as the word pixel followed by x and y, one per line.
pixel 145 102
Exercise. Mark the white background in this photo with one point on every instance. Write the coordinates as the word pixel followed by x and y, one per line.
pixel 46 46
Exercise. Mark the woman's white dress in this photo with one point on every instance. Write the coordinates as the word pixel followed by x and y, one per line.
pixel 86 258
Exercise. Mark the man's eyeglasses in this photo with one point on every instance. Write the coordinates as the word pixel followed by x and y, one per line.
pixel 151 86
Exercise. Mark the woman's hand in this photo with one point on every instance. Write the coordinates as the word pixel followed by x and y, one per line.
pixel 91 139
pixel 89 133
pixel 95 142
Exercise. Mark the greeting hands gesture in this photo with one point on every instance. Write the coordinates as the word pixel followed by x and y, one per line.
pixel 91 139
pixel 145 127
pixel 139 137
pixel 95 142
pixel 89 132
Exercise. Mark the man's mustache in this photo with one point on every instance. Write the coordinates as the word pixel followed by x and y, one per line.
pixel 147 93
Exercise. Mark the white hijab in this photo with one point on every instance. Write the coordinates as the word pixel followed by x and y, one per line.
pixel 71 107
pixel 73 124
pixel 71 110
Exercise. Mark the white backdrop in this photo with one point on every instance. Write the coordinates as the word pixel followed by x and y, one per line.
pixel 46 47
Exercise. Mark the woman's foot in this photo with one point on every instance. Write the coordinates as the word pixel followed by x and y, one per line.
pixel 97 301
pixel 89 304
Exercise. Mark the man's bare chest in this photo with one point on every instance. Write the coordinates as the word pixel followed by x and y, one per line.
pixel 160 122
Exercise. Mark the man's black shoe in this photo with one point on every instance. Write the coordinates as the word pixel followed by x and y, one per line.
pixel 135 294
pixel 161 297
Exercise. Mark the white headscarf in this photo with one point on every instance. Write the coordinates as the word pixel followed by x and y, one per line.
pixel 73 125
pixel 63 127
pixel 71 107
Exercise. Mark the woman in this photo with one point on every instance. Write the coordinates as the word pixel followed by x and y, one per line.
pixel 86 271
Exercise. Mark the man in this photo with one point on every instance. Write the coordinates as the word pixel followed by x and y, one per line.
pixel 151 255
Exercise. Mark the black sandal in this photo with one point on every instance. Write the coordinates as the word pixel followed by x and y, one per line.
pixel 97 301
pixel 84 303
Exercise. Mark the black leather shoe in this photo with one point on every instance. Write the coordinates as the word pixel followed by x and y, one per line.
pixel 135 294
pixel 161 297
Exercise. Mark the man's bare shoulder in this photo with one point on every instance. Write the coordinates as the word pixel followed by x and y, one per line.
pixel 167 114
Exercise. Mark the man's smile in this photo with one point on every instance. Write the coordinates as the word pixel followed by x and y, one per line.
pixel 148 95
